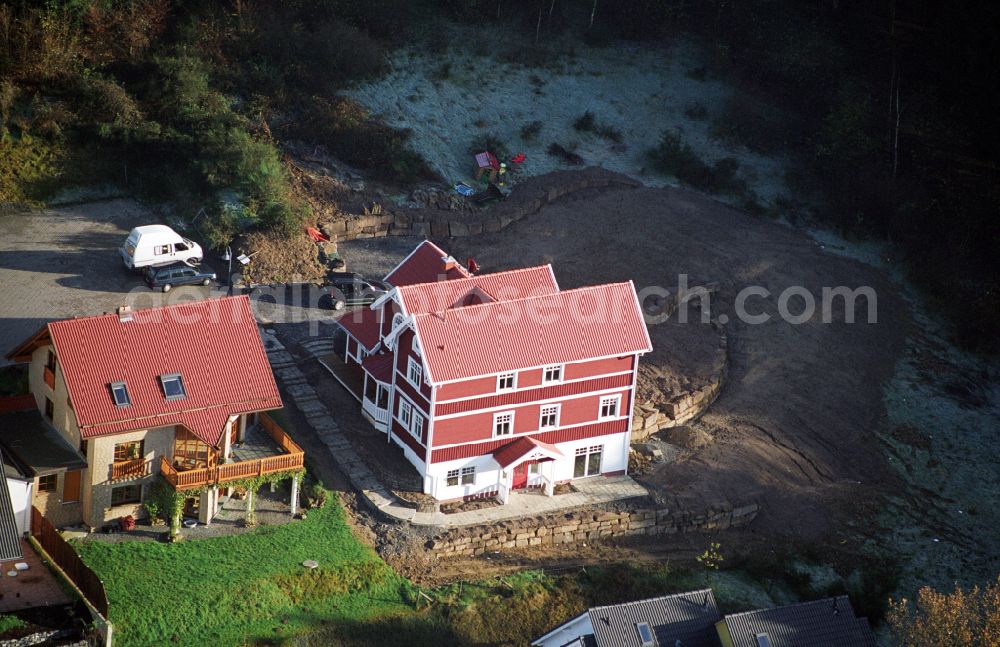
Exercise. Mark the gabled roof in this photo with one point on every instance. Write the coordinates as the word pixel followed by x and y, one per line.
pixel 821 623
pixel 568 326
pixel 425 264
pixel 214 345
pixel 515 450
pixel 484 288
pixel 687 617
pixel 380 367
pixel 362 324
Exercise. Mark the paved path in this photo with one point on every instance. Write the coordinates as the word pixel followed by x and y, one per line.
pixel 589 492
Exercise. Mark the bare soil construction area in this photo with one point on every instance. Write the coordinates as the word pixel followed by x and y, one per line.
pixel 794 425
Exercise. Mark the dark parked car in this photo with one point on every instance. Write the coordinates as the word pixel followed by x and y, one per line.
pixel 165 277
pixel 350 289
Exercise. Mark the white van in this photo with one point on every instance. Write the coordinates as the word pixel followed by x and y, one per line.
pixel 158 245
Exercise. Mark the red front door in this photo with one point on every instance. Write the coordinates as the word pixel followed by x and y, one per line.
pixel 521 475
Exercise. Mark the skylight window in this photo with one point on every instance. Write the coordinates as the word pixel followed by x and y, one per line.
pixel 763 640
pixel 645 634
pixel 173 386
pixel 119 393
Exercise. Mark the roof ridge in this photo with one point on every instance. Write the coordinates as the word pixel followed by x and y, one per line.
pixel 659 597
pixel 199 302
pixel 796 604
pixel 527 298
pixel 474 277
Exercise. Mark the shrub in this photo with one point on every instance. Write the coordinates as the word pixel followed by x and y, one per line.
pixel 531 130
pixel 347 130
pixel 585 122
pixel 695 110
pixel 588 123
pixel 675 157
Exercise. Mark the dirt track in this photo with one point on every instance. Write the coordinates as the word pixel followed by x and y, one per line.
pixel 794 426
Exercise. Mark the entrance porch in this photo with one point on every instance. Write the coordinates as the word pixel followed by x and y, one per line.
pixel 526 463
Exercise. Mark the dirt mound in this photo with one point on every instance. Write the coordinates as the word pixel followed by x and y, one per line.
pixel 275 259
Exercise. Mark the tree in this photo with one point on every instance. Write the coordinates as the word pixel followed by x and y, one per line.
pixel 958 619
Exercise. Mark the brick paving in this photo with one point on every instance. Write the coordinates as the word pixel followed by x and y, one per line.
pixel 35 587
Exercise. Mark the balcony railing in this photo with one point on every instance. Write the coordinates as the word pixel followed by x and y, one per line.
pixel 50 377
pixel 130 469
pixel 293 459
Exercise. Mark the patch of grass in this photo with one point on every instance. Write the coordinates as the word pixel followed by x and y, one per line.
pixel 673 156
pixel 10 622
pixel 245 588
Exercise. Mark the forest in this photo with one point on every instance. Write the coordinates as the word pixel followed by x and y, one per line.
pixel 889 108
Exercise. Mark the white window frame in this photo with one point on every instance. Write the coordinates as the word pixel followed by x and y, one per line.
pixel 414 372
pixel 608 399
pixel 417 428
pixel 405 416
pixel 453 474
pixel 560 368
pixel 469 472
pixel 496 421
pixel 586 452
pixel 512 376
pixel 551 409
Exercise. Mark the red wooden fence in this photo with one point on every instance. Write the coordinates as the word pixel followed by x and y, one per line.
pixel 66 558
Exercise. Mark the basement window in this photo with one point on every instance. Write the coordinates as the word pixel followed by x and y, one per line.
pixel 119 393
pixel 173 386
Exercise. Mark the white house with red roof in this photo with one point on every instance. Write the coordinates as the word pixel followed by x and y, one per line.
pixel 496 382
pixel 177 391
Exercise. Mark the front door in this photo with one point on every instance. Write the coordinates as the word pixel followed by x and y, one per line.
pixel 521 475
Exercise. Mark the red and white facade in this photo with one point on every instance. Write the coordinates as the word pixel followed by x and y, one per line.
pixel 498 381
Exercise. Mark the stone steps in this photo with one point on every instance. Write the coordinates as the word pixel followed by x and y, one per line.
pixel 319 347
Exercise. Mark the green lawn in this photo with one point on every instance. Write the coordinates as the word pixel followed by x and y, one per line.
pixel 245 589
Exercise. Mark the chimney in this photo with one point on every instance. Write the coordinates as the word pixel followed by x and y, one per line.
pixel 124 314
pixel 449 263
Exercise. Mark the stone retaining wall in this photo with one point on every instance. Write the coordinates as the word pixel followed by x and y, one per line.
pixel 682 408
pixel 454 218
pixel 586 526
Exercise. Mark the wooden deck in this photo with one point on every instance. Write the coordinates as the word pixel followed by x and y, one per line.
pixel 293 458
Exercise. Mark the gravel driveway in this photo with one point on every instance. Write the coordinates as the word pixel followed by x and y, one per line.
pixel 60 263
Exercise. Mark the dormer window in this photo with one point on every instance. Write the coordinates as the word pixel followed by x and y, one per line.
pixel 645 634
pixel 119 393
pixel 173 386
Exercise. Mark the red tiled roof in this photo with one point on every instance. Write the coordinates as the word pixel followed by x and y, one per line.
pixel 484 288
pixel 380 367
pixel 363 325
pixel 425 264
pixel 213 344
pixel 569 326
pixel 517 449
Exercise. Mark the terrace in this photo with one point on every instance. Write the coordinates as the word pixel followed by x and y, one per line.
pixel 266 449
